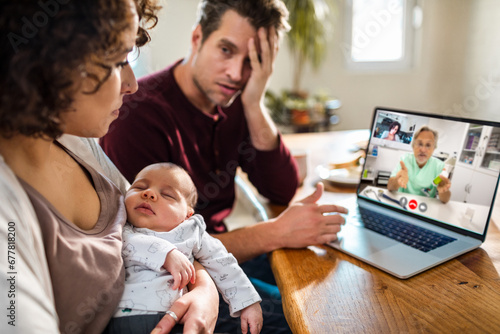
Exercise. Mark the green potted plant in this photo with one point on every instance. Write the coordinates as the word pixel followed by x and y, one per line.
pixel 311 24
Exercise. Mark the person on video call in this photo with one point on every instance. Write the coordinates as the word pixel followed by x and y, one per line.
pixel 392 133
pixel 416 171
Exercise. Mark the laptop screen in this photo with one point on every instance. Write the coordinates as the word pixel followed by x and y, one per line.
pixel 442 168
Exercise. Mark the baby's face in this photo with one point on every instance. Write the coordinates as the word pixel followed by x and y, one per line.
pixel 157 199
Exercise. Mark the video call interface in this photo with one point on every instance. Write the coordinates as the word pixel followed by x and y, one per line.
pixel 469 152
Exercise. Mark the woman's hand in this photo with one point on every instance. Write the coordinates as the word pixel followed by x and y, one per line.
pixel 197 310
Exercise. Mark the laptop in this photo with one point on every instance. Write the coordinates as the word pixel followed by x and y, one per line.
pixel 406 233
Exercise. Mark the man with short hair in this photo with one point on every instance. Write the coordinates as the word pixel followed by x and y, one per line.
pixel 206 114
pixel 417 172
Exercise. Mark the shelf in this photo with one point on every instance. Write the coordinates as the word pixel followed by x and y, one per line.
pixel 465 163
pixel 492 152
pixel 489 169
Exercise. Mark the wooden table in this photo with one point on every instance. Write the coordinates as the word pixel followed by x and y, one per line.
pixel 326 291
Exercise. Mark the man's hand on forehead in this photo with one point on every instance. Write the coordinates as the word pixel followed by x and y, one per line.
pixel 262 51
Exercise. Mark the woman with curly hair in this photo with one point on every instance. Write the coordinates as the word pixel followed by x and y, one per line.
pixel 393 132
pixel 63 75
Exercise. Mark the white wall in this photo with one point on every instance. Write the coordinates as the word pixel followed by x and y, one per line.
pixel 457 69
pixel 170 39
pixel 482 70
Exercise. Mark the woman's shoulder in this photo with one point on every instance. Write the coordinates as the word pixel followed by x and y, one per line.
pixel 16 199
pixel 88 150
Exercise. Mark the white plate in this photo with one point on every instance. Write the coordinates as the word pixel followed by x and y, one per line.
pixel 345 176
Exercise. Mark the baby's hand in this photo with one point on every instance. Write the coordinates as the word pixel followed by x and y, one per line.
pixel 181 269
pixel 251 316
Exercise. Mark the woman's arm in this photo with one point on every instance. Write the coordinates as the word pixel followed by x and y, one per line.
pixel 27 298
pixel 197 310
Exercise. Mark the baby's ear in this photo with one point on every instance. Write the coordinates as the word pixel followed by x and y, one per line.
pixel 190 213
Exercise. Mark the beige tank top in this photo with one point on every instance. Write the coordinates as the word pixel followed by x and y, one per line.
pixel 86 266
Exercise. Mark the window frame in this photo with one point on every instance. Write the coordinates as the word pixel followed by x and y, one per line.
pixel 412 21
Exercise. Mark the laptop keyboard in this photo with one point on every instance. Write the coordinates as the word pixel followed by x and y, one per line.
pixel 409 234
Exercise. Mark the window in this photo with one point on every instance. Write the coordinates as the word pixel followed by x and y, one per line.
pixel 380 34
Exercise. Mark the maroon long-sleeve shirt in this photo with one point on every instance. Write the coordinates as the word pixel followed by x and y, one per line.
pixel 159 124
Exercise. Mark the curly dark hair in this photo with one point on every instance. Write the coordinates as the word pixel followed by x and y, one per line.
pixel 260 13
pixel 44 46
